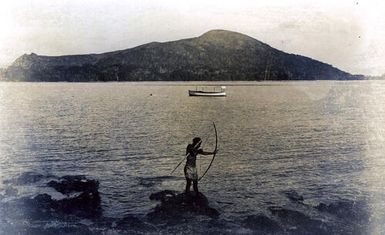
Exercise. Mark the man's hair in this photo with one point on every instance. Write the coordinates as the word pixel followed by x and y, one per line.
pixel 196 140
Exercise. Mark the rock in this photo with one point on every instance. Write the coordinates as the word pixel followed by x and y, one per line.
pixel 43 200
pixel 42 206
pixel 163 195
pixel 345 209
pixel 294 196
pixel 353 216
pixel 130 222
pixel 299 223
pixel 77 229
pixel 42 214
pixel 87 205
pixel 178 206
pixel 262 224
pixel 69 184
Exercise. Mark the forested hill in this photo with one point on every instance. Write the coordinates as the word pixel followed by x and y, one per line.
pixel 217 55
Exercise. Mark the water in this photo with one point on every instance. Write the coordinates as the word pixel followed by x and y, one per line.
pixel 323 140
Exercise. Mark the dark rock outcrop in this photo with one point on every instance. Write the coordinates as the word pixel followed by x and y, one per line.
pixel 262 224
pixel 355 214
pixel 176 207
pixel 217 55
pixel 83 202
pixel 299 223
pixel 132 224
pixel 69 184
pixel 293 196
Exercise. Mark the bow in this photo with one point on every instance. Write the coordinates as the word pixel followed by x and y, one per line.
pixel 215 152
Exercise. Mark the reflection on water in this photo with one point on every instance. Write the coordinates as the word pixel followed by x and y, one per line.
pixel 324 140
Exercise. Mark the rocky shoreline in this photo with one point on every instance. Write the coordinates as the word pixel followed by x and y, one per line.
pixel 78 210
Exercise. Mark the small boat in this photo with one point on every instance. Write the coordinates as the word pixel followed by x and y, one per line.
pixel 213 91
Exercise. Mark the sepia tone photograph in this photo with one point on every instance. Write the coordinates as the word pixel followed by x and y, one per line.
pixel 192 117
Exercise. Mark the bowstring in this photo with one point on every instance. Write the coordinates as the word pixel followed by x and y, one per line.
pixel 208 135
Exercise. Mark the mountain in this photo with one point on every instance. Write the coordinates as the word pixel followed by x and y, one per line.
pixel 217 55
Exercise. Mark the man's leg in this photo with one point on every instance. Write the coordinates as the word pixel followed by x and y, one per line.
pixel 195 185
pixel 188 185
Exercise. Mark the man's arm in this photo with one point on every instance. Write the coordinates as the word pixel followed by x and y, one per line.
pixel 188 149
pixel 200 151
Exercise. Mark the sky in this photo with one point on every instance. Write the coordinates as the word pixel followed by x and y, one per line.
pixel 350 35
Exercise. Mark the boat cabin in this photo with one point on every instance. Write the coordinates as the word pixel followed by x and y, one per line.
pixel 211 91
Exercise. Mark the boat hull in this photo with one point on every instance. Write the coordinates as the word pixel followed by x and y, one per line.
pixel 206 93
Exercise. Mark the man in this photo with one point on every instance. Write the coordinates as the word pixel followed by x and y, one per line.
pixel 190 169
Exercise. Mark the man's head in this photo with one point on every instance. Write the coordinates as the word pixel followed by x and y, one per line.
pixel 197 142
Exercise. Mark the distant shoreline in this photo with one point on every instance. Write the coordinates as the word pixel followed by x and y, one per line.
pixel 199 83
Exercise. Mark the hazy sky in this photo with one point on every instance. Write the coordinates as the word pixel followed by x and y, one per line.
pixel 347 34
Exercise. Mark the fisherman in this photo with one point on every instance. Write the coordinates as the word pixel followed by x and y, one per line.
pixel 190 169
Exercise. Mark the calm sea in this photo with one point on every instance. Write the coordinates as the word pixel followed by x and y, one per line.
pixel 322 140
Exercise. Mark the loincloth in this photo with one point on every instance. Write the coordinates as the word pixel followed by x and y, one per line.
pixel 191 172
